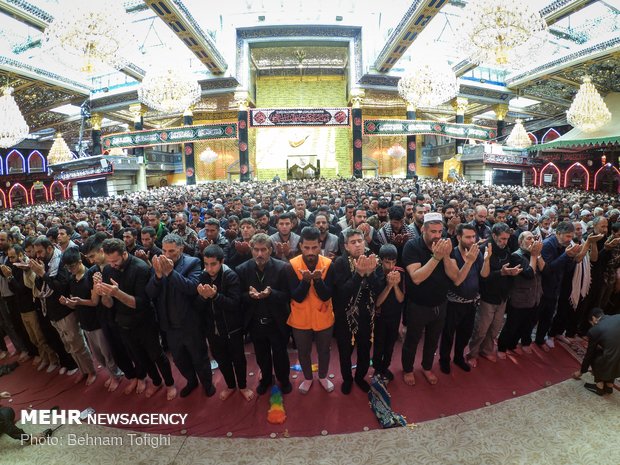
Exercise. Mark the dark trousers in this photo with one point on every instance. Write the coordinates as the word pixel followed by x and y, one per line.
pixel 518 327
pixel 457 330
pixel 546 311
pixel 18 326
pixel 562 315
pixel 230 357
pixel 420 319
pixel 386 335
pixel 190 353
pixel 119 352
pixel 271 352
pixel 7 424
pixel 53 339
pixel 346 346
pixel 148 357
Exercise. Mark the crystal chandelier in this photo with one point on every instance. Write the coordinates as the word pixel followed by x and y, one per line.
pixel 13 127
pixel 518 137
pixel 428 83
pixel 97 31
pixel 208 156
pixel 396 152
pixel 588 111
pixel 169 90
pixel 59 153
pixel 501 33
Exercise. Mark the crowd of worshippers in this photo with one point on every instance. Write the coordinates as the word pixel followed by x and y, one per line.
pixel 477 271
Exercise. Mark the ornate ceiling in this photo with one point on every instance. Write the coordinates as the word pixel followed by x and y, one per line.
pixel 351 41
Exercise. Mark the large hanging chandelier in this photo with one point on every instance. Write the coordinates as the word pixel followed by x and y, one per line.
pixel 97 31
pixel 13 127
pixel 428 83
pixel 396 152
pixel 208 156
pixel 588 111
pixel 501 33
pixel 169 90
pixel 518 137
pixel 59 153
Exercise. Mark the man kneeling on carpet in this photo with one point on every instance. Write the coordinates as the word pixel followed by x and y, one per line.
pixel 7 426
pixel 603 353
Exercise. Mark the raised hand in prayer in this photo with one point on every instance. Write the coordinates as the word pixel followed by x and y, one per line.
pixel 472 254
pixel 207 291
pixel 508 271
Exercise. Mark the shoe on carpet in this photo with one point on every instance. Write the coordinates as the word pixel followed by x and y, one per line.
pixel 387 374
pixel 592 387
pixel 608 390
pixel 327 384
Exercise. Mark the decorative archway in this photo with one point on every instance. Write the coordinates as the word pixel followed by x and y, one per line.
pixel 36 162
pixel 3 197
pixel 577 166
pixel 541 175
pixel 533 138
pixel 57 191
pixel 535 176
pixel 15 162
pixel 69 191
pixel 550 135
pixel 18 195
pixel 38 193
pixel 603 170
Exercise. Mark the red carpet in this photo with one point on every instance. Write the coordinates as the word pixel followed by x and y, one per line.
pixel 308 415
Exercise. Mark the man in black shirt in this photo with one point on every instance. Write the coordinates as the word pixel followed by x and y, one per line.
pixel 427 261
pixel 265 298
pixel 130 237
pixel 122 287
pixel 149 250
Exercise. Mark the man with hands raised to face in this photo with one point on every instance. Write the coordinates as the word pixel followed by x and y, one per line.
pixel 494 291
pixel 355 285
pixel 312 316
pixel 265 299
pixel 219 303
pixel 173 289
pixel 427 260
pixel 122 287
pixel 463 297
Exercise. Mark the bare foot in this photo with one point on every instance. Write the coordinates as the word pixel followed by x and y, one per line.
pixel 171 392
pixel 226 393
pixel 527 349
pixel 518 350
pixel 151 390
pixel 473 362
pixel 91 379
pixel 107 382
pixel 141 386
pixel 409 379
pixel 430 377
pixel 36 361
pixel 114 383
pixel 490 358
pixel 79 378
pixel 131 387
pixel 247 394
pixel 545 348
pixel 501 355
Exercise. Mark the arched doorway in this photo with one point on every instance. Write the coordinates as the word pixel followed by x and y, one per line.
pixel 38 193
pixel 550 176
pixel 57 191
pixel 15 162
pixel 69 191
pixel 3 198
pixel 18 196
pixel 577 176
pixel 36 162
pixel 607 179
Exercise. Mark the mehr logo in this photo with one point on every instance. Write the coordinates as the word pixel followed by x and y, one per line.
pixel 57 416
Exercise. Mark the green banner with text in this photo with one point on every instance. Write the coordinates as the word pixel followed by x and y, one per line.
pixel 180 135
pixel 385 127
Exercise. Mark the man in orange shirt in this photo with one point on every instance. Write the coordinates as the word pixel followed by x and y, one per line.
pixel 312 315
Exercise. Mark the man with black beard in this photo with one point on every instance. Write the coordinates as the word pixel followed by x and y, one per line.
pixel 265 298
pixel 329 241
pixel 354 306
pixel 396 231
pixel 381 218
pixel 240 251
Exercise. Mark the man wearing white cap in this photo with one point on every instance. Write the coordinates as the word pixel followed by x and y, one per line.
pixel 428 278
pixel 586 215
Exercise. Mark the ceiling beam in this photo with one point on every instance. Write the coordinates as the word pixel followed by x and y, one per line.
pixel 178 18
pixel 39 110
pixel 552 13
pixel 417 17
pixel 33 16
pixel 24 70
